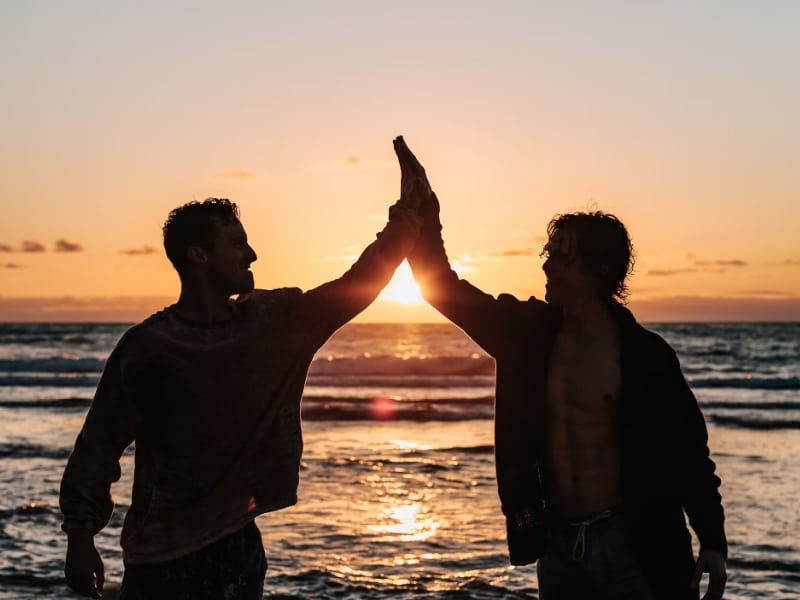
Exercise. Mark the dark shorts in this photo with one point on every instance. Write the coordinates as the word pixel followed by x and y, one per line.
pixel 232 568
pixel 591 558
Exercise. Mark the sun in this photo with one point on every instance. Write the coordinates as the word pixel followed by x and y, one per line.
pixel 402 288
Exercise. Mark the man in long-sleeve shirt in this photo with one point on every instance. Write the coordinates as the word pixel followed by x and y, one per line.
pixel 209 390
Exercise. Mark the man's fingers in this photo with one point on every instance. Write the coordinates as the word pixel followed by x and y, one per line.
pixel 716 586
pixel 84 584
pixel 697 575
pixel 407 158
pixel 100 578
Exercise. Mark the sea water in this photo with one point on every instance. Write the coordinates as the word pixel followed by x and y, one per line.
pixel 397 496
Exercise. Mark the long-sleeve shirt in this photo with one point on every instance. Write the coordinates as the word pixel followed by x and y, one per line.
pixel 666 469
pixel 213 409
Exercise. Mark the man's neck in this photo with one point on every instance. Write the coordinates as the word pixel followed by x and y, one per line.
pixel 200 307
pixel 587 318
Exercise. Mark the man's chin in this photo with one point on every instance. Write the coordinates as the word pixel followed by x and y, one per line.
pixel 246 285
pixel 551 298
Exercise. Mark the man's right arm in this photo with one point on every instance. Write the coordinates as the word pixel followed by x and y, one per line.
pixel 479 314
pixel 93 465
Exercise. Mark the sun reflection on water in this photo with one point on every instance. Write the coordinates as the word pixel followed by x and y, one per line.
pixel 409 522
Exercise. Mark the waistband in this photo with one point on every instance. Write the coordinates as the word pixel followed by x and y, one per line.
pixel 582 523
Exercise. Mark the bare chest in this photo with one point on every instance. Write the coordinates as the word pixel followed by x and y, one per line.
pixel 584 379
pixel 582 426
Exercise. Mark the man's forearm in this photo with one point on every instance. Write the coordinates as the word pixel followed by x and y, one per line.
pixel 336 302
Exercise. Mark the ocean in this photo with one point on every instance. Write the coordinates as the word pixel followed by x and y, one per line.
pixel 397 496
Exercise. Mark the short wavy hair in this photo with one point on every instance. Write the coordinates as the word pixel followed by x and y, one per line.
pixel 603 247
pixel 194 224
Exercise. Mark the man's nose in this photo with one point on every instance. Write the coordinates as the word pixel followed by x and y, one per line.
pixel 253 256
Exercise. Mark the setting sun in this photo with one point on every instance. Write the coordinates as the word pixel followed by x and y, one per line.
pixel 402 288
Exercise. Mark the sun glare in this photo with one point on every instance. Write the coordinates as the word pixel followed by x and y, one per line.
pixel 402 288
pixel 407 522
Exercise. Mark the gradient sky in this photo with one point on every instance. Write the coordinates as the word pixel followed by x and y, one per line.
pixel 683 118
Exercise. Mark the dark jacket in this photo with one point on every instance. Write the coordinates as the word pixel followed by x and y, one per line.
pixel 666 470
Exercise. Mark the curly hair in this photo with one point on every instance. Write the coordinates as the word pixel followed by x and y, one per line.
pixel 604 248
pixel 194 224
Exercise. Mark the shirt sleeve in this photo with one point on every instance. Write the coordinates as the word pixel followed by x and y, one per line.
pixel 332 304
pixel 85 498
pixel 699 483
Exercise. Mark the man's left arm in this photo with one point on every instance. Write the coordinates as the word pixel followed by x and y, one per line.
pixel 338 301
pixel 699 487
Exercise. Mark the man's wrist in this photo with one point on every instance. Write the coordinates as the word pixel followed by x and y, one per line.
pixel 79 531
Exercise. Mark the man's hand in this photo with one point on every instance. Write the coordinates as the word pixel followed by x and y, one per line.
pixel 84 567
pixel 415 190
pixel 713 563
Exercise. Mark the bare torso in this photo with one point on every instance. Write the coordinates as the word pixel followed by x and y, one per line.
pixel 582 465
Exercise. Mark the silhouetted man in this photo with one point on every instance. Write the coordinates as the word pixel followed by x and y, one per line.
pixel 600 444
pixel 209 390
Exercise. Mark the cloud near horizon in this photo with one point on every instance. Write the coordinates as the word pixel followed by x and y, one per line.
pixel 721 263
pixel 768 293
pixel 353 161
pixel 32 246
pixel 144 250
pixel 669 272
pixel 131 309
pixel 516 252
pixel 11 266
pixel 63 245
pixel 237 174
pixel 705 266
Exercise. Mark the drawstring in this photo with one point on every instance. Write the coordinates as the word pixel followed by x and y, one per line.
pixel 579 549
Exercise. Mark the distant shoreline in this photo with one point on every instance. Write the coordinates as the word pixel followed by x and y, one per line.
pixel 132 309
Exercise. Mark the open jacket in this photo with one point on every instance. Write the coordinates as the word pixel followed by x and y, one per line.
pixel 666 470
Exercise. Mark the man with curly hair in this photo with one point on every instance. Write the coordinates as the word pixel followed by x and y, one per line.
pixel 600 445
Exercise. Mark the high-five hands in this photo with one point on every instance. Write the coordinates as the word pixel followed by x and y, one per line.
pixel 415 190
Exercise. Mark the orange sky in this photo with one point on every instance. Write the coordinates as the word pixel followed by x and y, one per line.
pixel 682 119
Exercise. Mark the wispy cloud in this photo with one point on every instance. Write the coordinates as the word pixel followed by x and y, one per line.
pixel 669 272
pixel 721 263
pixel 697 308
pixel 791 262
pixel 144 250
pixel 11 266
pixel 6 248
pixel 235 174
pixel 63 245
pixel 463 264
pixel 32 246
pixel 353 161
pixel 704 266
pixel 119 309
pixel 768 293
pixel 516 252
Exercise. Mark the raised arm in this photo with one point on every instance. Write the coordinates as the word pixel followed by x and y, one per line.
pixel 331 305
pixel 484 318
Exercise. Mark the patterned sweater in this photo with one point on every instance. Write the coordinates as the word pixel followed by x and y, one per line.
pixel 213 409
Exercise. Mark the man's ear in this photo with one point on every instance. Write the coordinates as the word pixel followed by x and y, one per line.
pixel 197 255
